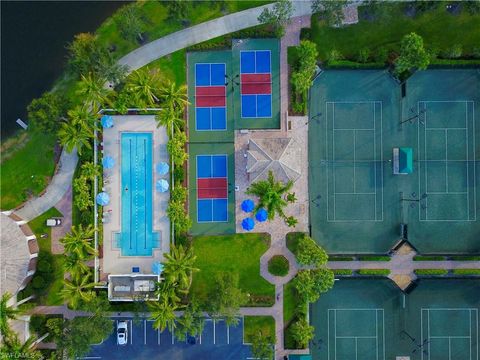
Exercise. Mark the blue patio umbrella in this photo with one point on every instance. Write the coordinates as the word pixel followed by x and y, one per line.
pixel 162 168
pixel 103 198
pixel 107 121
pixel 261 215
pixel 108 162
pixel 162 185
pixel 248 205
pixel 248 224
pixel 157 268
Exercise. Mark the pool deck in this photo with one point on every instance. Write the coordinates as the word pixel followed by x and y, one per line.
pixel 113 261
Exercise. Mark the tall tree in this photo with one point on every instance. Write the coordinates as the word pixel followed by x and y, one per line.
pixel 77 290
pixel 144 86
pixel 93 92
pixel 82 115
pixel 278 16
pixel 176 148
pixel 331 11
pixel 302 332
pixel 162 314
pixel 180 265
pixel 130 22
pixel 177 9
pixel 310 253
pixel 13 348
pixel 7 313
pixel 79 241
pixel 171 118
pixel 226 298
pixel 311 283
pixel 191 322
pixel 75 265
pixel 271 195
pixel 412 55
pixel 173 95
pixel 75 135
pixel 262 347
pixel 90 170
pixel 46 112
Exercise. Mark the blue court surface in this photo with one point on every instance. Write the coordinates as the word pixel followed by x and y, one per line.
pixel 136 237
pixel 218 341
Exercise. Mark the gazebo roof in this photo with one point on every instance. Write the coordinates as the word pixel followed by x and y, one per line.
pixel 15 259
pixel 282 156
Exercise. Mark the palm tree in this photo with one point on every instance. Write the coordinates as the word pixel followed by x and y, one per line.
pixel 162 314
pixel 78 289
pixel 173 95
pixel 79 241
pixel 90 170
pixel 93 92
pixel 75 265
pixel 144 86
pixel 270 193
pixel 171 118
pixel 83 116
pixel 7 313
pixel 75 134
pixel 14 349
pixel 179 266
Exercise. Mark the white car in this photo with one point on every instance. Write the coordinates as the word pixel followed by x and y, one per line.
pixel 122 333
pixel 52 222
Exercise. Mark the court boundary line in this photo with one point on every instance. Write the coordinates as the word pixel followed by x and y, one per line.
pixel 335 310
pixel 467 161
pixel 470 324
pixel 196 179
pixel 375 145
pixel 195 96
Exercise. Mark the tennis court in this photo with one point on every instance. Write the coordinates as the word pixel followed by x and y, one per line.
pixel 358 118
pixel 372 319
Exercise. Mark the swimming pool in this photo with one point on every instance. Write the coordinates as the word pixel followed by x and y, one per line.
pixel 136 237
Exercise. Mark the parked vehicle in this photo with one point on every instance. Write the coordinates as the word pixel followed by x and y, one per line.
pixel 52 222
pixel 122 333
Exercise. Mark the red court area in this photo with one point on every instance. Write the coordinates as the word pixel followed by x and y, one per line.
pixel 256 84
pixel 210 96
pixel 212 188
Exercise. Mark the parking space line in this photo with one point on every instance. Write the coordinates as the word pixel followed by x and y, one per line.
pixel 117 331
pixel 158 332
pixel 131 332
pixel 173 337
pixel 201 338
pixel 228 334
pixel 144 332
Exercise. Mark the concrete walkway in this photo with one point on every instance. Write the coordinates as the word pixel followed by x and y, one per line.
pixel 61 181
pixel 200 33
pixel 58 232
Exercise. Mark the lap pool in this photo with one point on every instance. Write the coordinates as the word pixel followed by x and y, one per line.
pixel 136 237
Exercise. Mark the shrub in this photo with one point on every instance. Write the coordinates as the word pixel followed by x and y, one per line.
pixel 343 272
pixel 437 272
pixel 454 52
pixel 374 258
pixel 38 282
pixel 428 258
pixel 278 265
pixel 476 52
pixel 38 324
pixel 363 55
pixel 374 272
pixel 466 271
pixel 44 266
pixel 380 55
pixel 334 55
pixel 341 258
pixel 310 253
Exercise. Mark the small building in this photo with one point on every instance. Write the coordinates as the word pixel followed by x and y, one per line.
pixel 132 287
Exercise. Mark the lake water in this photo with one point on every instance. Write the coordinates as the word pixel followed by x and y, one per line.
pixel 33 39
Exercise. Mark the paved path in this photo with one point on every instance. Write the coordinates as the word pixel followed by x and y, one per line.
pixel 200 33
pixel 61 181
pixel 58 232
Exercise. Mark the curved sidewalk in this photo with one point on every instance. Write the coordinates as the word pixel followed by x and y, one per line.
pixel 61 181
pixel 202 32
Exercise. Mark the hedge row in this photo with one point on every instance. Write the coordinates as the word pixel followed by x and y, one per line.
pixel 439 272
pixel 466 271
pixel 374 258
pixel 343 272
pixel 341 258
pixel 375 272
pixel 428 258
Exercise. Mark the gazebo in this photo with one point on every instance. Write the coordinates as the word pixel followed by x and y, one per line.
pixel 282 156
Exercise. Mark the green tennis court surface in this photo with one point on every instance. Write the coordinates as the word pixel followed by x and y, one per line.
pixel 356 120
pixel 374 320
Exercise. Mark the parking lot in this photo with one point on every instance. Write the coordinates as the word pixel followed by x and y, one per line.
pixel 218 341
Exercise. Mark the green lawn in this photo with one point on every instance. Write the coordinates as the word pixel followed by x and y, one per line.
pixel 237 253
pixel 49 295
pixel 387 31
pixel 293 239
pixel 27 171
pixel 252 325
pixel 290 304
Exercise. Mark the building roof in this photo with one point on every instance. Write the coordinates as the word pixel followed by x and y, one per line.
pixel 15 256
pixel 131 287
pixel 282 156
